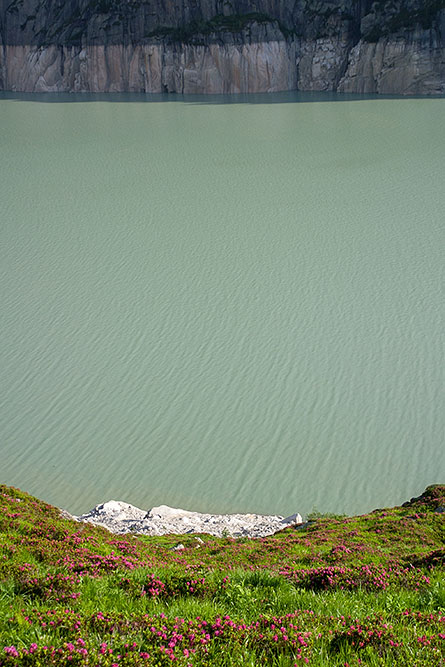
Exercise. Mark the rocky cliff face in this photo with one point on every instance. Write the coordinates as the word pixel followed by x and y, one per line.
pixel 222 46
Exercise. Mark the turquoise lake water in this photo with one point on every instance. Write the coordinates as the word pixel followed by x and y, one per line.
pixel 222 304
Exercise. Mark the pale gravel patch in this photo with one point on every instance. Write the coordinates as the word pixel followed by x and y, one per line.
pixel 119 517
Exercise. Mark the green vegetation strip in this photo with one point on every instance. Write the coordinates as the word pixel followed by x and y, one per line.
pixel 234 23
pixel 367 590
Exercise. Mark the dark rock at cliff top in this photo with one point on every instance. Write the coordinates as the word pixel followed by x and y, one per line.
pixel 68 22
pixel 76 22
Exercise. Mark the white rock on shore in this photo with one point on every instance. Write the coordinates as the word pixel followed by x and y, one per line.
pixel 120 517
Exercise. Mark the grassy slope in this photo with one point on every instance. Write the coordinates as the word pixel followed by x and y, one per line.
pixel 364 590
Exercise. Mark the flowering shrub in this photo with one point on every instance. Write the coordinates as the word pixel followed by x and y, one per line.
pixel 160 640
pixel 368 577
pixel 58 586
pixel 361 636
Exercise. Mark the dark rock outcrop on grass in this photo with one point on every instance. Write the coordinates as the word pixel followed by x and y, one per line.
pixel 431 498
pixel 209 46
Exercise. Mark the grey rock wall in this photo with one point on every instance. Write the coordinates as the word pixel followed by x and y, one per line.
pixel 412 64
pixel 153 68
pixel 210 46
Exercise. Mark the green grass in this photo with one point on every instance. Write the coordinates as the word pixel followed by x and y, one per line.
pixel 366 590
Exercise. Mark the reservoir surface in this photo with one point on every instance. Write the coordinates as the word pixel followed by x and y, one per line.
pixel 222 304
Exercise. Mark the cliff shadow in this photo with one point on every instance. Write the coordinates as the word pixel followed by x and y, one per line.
pixel 287 97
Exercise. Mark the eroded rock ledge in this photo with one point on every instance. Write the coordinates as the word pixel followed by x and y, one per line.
pixel 120 517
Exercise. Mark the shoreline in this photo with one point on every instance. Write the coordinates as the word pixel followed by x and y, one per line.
pixel 120 518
